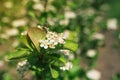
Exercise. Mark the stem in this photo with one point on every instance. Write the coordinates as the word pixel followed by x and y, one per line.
pixel 45 10
pixel 45 5
pixel 40 75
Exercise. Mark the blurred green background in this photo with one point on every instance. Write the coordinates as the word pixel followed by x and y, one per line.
pixel 92 25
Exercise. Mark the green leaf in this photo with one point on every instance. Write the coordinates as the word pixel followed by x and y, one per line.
pixel 57 57
pixel 71 45
pixel 73 36
pixel 71 42
pixel 63 59
pixel 18 54
pixel 7 77
pixel 31 14
pixel 54 72
pixel 36 34
pixel 24 39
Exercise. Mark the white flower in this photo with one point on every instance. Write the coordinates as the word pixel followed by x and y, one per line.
pixel 12 32
pixel 4 36
pixel 51 21
pixel 64 22
pixel 51 45
pixel 98 19
pixel 52 39
pixel 98 36
pixel 67 66
pixel 19 22
pixel 22 67
pixel 66 34
pixel 44 44
pixel 36 1
pixel 90 12
pixel 38 6
pixel 15 43
pixel 60 40
pixel 112 24
pixel 93 74
pixel 24 33
pixel 51 35
pixel 71 57
pixel 70 14
pixel 91 53
pixel 65 52
pixel 6 19
pixel 55 38
pixel 51 8
pixel 8 4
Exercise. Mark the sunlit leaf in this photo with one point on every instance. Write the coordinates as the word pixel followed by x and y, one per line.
pixel 32 14
pixel 24 39
pixel 57 57
pixel 36 34
pixel 7 77
pixel 62 59
pixel 73 36
pixel 18 54
pixel 54 72
pixel 71 45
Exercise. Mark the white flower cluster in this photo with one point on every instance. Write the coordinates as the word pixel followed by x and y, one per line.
pixel 67 66
pixel 112 24
pixel 52 39
pixel 93 74
pixel 23 67
pixel 67 53
pixel 68 15
pixel 91 53
pixel 98 36
pixel 19 22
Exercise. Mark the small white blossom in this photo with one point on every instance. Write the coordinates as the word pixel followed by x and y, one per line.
pixel 91 53
pixel 70 14
pixel 71 57
pixel 8 4
pixel 24 33
pixel 19 22
pixel 64 22
pixel 38 6
pixel 112 24
pixel 60 40
pixel 52 39
pixel 90 12
pixel 65 52
pixel 15 43
pixel 66 34
pixel 4 36
pixel 51 8
pixel 51 45
pixel 51 21
pixel 67 66
pixel 12 32
pixel 22 67
pixel 98 36
pixel 6 19
pixel 98 19
pixel 44 44
pixel 93 74
pixel 36 1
